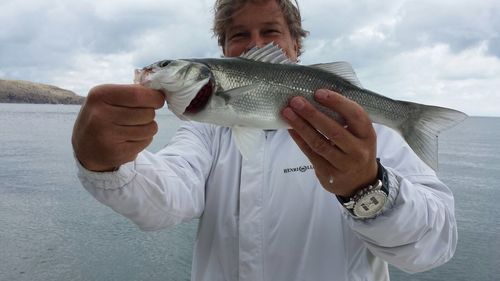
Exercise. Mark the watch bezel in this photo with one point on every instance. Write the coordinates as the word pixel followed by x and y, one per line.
pixel 360 208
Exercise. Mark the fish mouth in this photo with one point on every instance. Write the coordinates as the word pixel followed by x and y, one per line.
pixel 140 75
pixel 201 99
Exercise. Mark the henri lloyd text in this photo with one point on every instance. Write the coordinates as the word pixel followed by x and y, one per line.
pixel 298 169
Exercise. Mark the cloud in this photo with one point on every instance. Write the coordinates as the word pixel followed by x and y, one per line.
pixel 78 44
pixel 441 52
pixel 92 69
pixel 439 76
pixel 387 27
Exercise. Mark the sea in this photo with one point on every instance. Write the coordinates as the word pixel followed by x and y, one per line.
pixel 51 229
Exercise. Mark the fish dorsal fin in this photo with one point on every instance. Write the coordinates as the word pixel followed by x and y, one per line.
pixel 248 140
pixel 342 69
pixel 270 53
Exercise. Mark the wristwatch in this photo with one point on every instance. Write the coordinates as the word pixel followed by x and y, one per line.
pixel 369 202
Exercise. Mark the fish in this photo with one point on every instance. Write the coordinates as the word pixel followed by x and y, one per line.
pixel 248 93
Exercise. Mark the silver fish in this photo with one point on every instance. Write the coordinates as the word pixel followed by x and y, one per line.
pixel 248 93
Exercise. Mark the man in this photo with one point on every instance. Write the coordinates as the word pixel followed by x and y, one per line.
pixel 281 215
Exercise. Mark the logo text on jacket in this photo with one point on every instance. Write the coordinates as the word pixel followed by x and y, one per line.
pixel 298 169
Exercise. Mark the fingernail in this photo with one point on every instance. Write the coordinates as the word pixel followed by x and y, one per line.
pixel 289 114
pixel 322 94
pixel 297 103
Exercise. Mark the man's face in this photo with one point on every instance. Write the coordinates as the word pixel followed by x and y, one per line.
pixel 258 25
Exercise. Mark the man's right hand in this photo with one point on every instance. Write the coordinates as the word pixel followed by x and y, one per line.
pixel 114 125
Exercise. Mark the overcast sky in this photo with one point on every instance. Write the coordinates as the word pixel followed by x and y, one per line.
pixel 439 52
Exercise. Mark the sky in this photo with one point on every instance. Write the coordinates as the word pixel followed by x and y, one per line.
pixel 437 52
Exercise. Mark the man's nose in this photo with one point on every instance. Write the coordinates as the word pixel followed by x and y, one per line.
pixel 257 40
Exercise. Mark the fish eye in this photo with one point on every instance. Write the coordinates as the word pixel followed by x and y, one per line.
pixel 164 63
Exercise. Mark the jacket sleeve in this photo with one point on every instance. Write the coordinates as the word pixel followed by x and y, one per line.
pixel 158 190
pixel 417 230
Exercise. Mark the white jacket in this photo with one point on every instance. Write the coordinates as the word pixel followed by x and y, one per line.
pixel 268 218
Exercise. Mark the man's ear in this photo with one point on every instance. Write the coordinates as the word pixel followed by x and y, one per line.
pixel 296 47
pixel 223 47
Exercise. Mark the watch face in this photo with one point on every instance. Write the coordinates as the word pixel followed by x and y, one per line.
pixel 370 204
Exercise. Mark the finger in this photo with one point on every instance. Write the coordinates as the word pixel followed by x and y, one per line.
pixel 126 152
pixel 325 172
pixel 128 96
pixel 129 116
pixel 356 117
pixel 313 139
pixel 331 129
pixel 134 147
pixel 320 164
pixel 121 134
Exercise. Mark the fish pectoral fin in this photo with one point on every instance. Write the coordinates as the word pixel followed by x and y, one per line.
pixel 238 92
pixel 247 140
pixel 342 69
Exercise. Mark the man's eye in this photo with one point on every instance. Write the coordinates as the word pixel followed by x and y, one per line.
pixel 272 31
pixel 238 35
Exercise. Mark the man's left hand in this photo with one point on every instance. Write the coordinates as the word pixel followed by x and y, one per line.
pixel 343 155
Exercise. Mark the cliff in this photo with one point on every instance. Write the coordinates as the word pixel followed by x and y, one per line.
pixel 16 91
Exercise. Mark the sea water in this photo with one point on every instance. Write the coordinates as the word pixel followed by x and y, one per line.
pixel 52 229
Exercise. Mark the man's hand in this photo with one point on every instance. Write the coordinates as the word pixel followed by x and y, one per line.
pixel 343 155
pixel 114 125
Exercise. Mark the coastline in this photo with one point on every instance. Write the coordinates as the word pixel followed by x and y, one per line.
pixel 27 92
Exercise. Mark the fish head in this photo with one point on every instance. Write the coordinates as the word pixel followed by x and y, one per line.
pixel 187 85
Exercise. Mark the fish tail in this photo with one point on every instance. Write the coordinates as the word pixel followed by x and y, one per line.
pixel 422 127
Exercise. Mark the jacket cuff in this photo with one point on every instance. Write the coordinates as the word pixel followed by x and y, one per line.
pixel 394 184
pixel 107 180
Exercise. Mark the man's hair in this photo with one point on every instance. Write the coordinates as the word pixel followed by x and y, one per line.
pixel 225 9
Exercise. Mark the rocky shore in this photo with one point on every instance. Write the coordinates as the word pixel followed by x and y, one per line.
pixel 17 91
